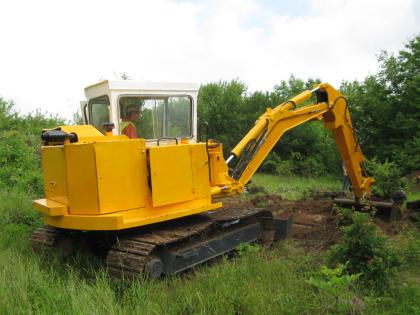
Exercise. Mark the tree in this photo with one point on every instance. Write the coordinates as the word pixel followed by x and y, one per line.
pixel 386 108
pixel 221 106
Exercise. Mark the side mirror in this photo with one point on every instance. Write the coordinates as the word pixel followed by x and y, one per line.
pixel 83 110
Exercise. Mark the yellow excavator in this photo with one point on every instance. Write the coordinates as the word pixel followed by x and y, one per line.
pixel 152 204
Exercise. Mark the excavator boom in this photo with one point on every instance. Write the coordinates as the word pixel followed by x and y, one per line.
pixel 330 107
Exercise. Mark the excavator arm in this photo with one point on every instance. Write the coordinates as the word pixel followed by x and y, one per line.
pixel 330 107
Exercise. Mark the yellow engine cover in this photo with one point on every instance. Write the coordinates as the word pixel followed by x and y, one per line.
pixel 179 173
pixel 96 177
pixel 116 183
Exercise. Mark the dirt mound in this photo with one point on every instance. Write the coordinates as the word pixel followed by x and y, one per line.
pixel 268 201
pixel 314 224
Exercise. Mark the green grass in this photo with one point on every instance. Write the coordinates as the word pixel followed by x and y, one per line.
pixel 411 196
pixel 255 281
pixel 403 298
pixel 293 187
pixel 413 192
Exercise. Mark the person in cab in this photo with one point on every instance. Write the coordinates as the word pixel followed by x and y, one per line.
pixel 128 127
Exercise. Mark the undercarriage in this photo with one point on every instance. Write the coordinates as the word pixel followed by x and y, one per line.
pixel 170 247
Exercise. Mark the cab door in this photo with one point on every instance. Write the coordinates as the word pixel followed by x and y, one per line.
pixel 98 112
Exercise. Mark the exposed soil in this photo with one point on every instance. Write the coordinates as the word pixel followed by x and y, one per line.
pixel 414 178
pixel 314 221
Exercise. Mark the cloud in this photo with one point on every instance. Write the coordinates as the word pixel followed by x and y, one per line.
pixel 52 49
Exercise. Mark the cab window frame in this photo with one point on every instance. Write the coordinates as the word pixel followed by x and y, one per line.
pixel 86 114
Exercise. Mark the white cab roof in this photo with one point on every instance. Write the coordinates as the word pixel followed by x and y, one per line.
pixel 144 86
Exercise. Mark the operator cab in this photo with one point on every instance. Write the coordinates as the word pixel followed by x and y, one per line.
pixel 166 111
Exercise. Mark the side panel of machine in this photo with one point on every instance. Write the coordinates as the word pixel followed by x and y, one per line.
pixel 200 170
pixel 178 173
pixel 121 171
pixel 82 179
pixel 54 170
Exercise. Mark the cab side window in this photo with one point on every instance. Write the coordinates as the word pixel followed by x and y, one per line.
pixel 99 112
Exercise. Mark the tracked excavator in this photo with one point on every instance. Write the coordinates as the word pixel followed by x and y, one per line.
pixel 153 205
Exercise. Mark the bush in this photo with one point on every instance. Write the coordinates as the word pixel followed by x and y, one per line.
pixel 307 166
pixel 284 168
pixel 20 140
pixel 297 164
pixel 19 163
pixel 311 167
pixel 270 163
pixel 16 208
pixel 362 250
pixel 387 177
pixel 344 216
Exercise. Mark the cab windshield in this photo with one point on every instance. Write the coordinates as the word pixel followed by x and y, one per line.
pixel 158 117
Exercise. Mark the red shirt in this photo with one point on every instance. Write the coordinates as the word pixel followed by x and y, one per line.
pixel 130 131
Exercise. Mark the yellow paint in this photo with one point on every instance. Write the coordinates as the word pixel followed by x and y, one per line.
pixel 219 169
pixel 130 218
pixel 54 171
pixel 121 175
pixel 88 133
pixel 200 171
pixel 83 131
pixel 81 178
pixel 50 208
pixel 178 173
pixel 171 174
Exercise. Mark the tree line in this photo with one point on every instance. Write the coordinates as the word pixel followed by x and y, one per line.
pixel 385 109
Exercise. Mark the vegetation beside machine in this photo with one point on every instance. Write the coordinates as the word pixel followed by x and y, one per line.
pixel 20 165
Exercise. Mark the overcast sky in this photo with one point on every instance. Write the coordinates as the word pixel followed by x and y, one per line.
pixel 51 50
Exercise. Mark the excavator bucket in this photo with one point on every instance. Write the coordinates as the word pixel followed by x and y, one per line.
pixel 388 210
